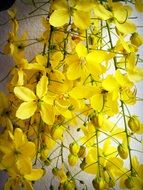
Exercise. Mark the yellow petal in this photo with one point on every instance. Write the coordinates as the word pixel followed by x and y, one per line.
pixel 34 175
pixel 74 71
pixel 85 5
pixel 139 5
pixel 62 4
pixel 42 87
pixel 20 77
pixel 24 165
pixel 101 12
pixel 47 113
pixel 19 138
pixel 81 50
pixel 110 84
pixel 8 160
pixel 97 56
pixel 121 13
pixel 81 19
pixel 26 110
pixel 28 149
pixel 59 17
pixel 80 92
pixel 126 28
pixel 97 102
pixel 42 60
pixel 24 93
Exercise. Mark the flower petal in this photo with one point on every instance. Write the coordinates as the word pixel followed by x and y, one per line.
pixel 26 110
pixel 28 149
pixel 47 113
pixel 81 19
pixel 101 12
pixel 81 50
pixel 126 28
pixel 59 17
pixel 97 102
pixel 19 138
pixel 24 165
pixel 24 93
pixel 42 87
pixel 34 175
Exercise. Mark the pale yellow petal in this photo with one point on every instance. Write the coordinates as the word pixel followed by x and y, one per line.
pixel 24 165
pixel 24 93
pixel 42 60
pixel 126 28
pixel 81 50
pixel 26 110
pixel 19 138
pixel 97 102
pixel 34 175
pixel 28 149
pixel 81 19
pixel 74 71
pixel 59 18
pixel 47 113
pixel 42 87
pixel 101 12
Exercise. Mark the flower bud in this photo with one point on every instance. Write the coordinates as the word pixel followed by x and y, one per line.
pixel 82 152
pixel 123 151
pixel 72 159
pixel 68 185
pixel 134 124
pixel 99 183
pixel 83 164
pixel 136 39
pixel 55 171
pixel 129 183
pixel 57 132
pixel 74 148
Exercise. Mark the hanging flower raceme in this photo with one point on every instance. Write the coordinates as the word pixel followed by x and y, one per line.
pixel 68 106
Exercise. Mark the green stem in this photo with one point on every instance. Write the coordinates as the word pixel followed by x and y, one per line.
pixel 98 154
pixel 122 104
pixel 127 135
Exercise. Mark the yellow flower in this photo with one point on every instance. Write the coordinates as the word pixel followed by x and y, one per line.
pixel 32 102
pixel 83 63
pixel 18 181
pixel 63 10
pixel 18 151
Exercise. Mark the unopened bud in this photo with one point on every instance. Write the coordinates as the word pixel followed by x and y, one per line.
pixel 134 124
pixel 129 183
pixel 123 151
pixel 82 152
pixel 55 171
pixel 72 159
pixel 83 164
pixel 68 185
pixel 57 132
pixel 136 39
pixel 74 148
pixel 99 183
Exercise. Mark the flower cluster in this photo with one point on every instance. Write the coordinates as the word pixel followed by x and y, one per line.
pixel 81 82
